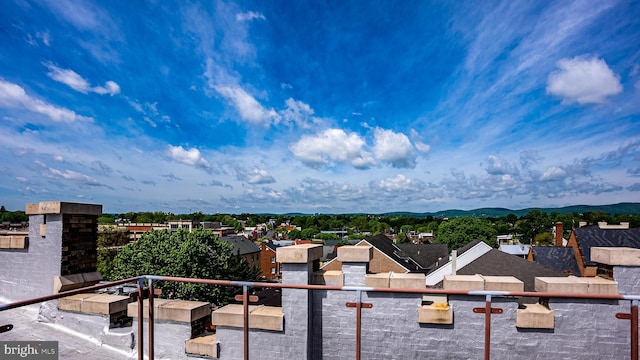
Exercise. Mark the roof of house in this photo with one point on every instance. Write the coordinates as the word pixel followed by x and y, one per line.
pixel 426 255
pixel 498 263
pixel 558 258
pixel 241 245
pixel 461 250
pixel 386 246
pixel 590 236
pixel 515 249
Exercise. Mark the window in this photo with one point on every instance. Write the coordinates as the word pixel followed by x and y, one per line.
pixel 273 271
pixel 174 227
pixel 185 226
pixel 273 260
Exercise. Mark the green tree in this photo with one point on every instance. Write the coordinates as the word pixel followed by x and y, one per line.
pixel 196 254
pixel 110 241
pixel 458 232
pixel 402 238
pixel 294 234
pixel 543 239
pixel 308 233
pixel 532 224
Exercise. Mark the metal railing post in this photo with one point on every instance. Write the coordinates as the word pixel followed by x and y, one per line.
pixel 151 316
pixel 140 319
pixel 634 329
pixel 245 311
pixel 487 328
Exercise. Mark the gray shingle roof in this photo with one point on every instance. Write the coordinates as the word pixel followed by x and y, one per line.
pixel 590 236
pixel 498 263
pixel 241 245
pixel 558 258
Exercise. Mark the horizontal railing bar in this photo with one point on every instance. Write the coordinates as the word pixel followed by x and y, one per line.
pixel 59 295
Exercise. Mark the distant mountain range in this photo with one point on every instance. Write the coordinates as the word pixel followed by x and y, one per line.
pixel 613 209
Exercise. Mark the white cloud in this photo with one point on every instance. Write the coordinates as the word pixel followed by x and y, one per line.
pixel 191 157
pixel 78 83
pixel 250 15
pixel 553 173
pixel 22 179
pixel 331 146
pixel 394 148
pixel 498 166
pixel 13 95
pixel 248 107
pixel 297 112
pixel 583 80
pixel 400 183
pixel 259 176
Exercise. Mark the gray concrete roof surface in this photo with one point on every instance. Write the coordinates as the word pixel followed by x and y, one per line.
pixel 71 345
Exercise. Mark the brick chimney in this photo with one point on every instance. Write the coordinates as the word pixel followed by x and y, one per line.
pixel 559 232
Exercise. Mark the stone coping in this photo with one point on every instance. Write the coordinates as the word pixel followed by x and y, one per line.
pixel 535 316
pixel 14 242
pixel 329 277
pixel 396 280
pixel 260 317
pixel 623 256
pixel 436 313
pixel 92 303
pixel 576 285
pixel 61 207
pixel 173 310
pixel 299 254
pixel 358 254
pixel 482 282
pixel 75 281
pixel 206 345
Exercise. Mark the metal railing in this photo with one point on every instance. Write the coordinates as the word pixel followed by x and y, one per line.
pixel 358 305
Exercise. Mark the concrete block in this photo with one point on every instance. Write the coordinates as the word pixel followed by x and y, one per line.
pixel 104 304
pixel 67 282
pixel 19 242
pixel 329 277
pixel 503 283
pixel 360 254
pixel 463 282
pixel 61 207
pixel 598 285
pixel 5 242
pixel 381 280
pixel 571 284
pixel 203 346
pixel 91 278
pixel 132 308
pixel 407 281
pixel 436 313
pixel 43 230
pixel 32 209
pixel 231 315
pixel 299 254
pixel 267 318
pixel 535 316
pixel 616 256
pixel 73 302
pixel 183 310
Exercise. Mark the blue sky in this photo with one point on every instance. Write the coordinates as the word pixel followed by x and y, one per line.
pixel 331 107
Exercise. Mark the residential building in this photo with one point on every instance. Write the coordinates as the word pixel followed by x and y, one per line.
pixel 244 248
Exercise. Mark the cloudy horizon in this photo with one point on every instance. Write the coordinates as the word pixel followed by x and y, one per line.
pixel 339 107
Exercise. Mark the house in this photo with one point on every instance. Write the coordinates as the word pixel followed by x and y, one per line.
pixel 518 250
pixel 397 258
pixel 556 257
pixel 245 248
pixel 269 267
pixel 460 258
pixel 582 239
pixel 498 263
